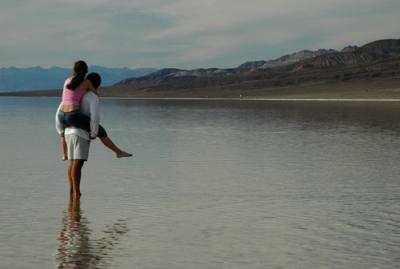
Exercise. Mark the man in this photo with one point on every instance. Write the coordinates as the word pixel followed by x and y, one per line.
pixel 78 140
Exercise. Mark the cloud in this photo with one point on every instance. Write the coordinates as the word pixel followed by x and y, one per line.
pixel 184 33
pixel 193 17
pixel 269 23
pixel 358 30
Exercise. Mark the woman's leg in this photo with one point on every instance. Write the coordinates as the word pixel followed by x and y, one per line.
pixel 110 144
pixel 64 148
pixel 82 121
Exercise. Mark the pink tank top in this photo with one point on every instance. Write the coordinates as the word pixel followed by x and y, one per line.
pixel 70 97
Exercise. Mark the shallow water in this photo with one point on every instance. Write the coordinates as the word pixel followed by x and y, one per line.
pixel 213 184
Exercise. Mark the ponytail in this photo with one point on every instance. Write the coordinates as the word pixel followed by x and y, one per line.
pixel 80 70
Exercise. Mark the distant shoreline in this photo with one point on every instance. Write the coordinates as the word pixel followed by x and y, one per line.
pixel 235 99
pixel 377 90
pixel 260 99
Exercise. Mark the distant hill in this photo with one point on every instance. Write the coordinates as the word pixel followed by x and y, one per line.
pixel 372 67
pixel 378 59
pixel 286 59
pixel 38 78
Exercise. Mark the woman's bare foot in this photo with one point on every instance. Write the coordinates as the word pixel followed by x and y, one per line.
pixel 123 154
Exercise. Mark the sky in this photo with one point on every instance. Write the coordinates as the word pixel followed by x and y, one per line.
pixel 184 33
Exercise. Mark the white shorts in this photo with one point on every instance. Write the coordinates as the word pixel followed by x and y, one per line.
pixel 78 147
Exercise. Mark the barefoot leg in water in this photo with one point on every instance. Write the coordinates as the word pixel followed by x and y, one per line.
pixel 110 144
pixel 76 171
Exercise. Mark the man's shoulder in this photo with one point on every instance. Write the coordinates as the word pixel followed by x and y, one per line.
pixel 90 96
pixel 89 99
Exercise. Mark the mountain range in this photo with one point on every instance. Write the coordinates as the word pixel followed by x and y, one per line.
pixel 376 60
pixel 373 66
pixel 38 78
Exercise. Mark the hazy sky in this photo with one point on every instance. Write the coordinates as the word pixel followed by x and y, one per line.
pixel 184 33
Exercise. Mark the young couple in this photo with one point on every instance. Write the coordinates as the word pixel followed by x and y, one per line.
pixel 77 122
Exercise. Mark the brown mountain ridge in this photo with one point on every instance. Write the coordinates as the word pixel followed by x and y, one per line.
pixel 372 70
pixel 378 60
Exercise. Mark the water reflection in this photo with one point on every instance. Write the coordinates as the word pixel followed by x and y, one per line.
pixel 77 249
pixel 372 116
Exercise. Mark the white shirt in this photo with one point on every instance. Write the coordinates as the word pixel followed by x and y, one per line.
pixel 90 107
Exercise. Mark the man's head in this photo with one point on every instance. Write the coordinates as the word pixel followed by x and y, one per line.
pixel 95 79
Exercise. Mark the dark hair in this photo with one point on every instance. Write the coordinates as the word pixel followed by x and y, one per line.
pixel 80 70
pixel 95 79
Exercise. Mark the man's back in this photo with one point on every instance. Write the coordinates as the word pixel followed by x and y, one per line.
pixel 90 107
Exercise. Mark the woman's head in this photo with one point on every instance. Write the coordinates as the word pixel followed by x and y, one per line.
pixel 80 67
pixel 78 76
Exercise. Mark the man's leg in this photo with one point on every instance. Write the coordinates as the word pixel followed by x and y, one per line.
pixel 70 180
pixel 78 152
pixel 76 172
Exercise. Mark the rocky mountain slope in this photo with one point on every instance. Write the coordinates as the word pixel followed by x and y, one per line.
pixel 286 59
pixel 376 59
pixel 376 63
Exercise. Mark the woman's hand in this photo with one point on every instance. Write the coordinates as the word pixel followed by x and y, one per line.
pixel 90 87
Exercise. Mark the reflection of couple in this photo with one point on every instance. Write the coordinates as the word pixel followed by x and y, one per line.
pixel 77 122
pixel 76 248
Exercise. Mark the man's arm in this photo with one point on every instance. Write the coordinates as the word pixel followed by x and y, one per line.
pixel 94 115
pixel 59 124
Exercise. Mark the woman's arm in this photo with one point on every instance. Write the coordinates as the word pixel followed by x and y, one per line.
pixel 89 86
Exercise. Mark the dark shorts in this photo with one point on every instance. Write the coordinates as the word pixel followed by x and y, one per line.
pixel 78 119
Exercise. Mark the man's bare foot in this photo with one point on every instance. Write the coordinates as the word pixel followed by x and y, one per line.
pixel 123 154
